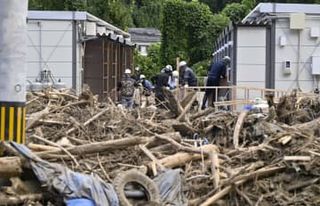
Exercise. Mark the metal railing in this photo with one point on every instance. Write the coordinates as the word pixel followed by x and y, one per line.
pixel 236 97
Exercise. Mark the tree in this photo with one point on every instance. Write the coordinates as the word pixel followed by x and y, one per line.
pixel 235 11
pixel 147 13
pixel 150 65
pixel 188 31
pixel 114 12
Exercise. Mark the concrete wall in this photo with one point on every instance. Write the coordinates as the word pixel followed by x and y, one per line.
pixel 50 48
pixel 251 58
pixel 289 52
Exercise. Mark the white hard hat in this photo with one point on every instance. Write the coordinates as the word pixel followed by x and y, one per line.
pixel 227 59
pixel 142 76
pixel 175 73
pixel 137 68
pixel 182 64
pixel 127 71
pixel 169 67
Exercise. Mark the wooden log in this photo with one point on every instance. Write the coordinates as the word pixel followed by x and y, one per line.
pixel 238 127
pixel 35 117
pixel 181 158
pixel 215 169
pixel 311 127
pixel 162 148
pixel 156 142
pixel 202 113
pixel 187 99
pixel 154 160
pixel 174 104
pixel 238 181
pixel 58 146
pixel 17 200
pixel 107 145
pixel 10 166
pixel 41 148
pixel 302 184
pixel 181 117
pixel 98 147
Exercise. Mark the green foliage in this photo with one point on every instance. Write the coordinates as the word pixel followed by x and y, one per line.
pixel 114 12
pixel 201 67
pixel 147 13
pixel 235 11
pixel 188 31
pixel 150 65
pixel 250 4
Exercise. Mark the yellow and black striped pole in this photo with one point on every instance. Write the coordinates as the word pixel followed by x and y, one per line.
pixel 12 122
pixel 13 44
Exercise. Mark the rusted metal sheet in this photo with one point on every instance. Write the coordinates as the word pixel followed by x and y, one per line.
pixel 104 64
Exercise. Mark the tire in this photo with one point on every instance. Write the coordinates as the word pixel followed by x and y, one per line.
pixel 134 176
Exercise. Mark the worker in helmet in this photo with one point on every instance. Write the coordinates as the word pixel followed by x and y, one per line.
pixel 161 83
pixel 137 73
pixel 146 92
pixel 174 80
pixel 168 67
pixel 126 89
pixel 216 72
pixel 187 76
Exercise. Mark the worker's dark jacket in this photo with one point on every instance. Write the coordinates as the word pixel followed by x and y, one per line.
pixel 188 77
pixel 216 71
pixel 126 86
pixel 162 80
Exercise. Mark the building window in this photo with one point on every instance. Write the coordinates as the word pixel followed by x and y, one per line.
pixel 143 50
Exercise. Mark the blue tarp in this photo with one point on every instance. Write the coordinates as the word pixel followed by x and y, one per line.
pixel 71 185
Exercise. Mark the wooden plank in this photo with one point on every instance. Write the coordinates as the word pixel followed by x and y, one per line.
pixel 297 158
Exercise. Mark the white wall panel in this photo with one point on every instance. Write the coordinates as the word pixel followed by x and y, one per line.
pixel 251 73
pixel 67 80
pixel 57 69
pixel 306 86
pixel 251 36
pixel 51 25
pixel 304 72
pixel 50 38
pixel 50 54
pixel 291 53
pixel 251 55
pixel 309 47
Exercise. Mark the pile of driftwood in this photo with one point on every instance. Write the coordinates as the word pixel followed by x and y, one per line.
pixel 228 158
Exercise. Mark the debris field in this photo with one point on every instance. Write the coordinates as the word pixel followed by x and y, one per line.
pixel 226 158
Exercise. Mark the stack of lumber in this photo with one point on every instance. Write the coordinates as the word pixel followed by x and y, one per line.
pixel 228 158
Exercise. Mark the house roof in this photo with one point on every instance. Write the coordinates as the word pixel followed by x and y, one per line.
pixel 74 15
pixel 262 10
pixel 147 35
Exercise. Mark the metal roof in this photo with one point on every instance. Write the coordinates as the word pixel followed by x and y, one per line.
pixel 148 35
pixel 74 15
pixel 264 9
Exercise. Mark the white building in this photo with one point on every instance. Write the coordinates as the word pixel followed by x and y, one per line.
pixel 56 43
pixel 275 46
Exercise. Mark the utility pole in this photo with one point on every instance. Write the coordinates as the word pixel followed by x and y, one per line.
pixel 13 52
